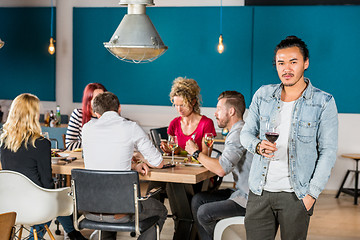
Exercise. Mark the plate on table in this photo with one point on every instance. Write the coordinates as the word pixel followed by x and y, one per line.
pixel 59 156
pixel 193 164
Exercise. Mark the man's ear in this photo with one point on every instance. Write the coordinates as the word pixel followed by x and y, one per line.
pixel 232 111
pixel 119 110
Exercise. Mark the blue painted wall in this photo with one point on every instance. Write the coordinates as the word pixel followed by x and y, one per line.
pixel 250 36
pixel 25 64
pixel 191 35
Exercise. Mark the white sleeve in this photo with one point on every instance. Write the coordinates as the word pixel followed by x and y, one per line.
pixel 144 145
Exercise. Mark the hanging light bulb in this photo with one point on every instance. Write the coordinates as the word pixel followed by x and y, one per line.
pixel 2 43
pixel 220 46
pixel 51 46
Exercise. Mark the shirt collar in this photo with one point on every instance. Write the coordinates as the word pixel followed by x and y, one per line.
pixel 307 94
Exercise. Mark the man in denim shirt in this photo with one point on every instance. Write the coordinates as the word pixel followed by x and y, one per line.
pixel 210 207
pixel 287 176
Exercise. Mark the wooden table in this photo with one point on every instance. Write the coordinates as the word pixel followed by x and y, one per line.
pixel 351 191
pixel 182 183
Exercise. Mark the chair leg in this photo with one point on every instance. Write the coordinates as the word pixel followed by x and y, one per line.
pixel 35 234
pixel 342 184
pixel 20 231
pixel 100 233
pixel 157 232
pixel 57 231
pixel 49 232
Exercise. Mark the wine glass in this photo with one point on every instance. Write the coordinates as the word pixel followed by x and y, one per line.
pixel 209 140
pixel 271 134
pixel 172 144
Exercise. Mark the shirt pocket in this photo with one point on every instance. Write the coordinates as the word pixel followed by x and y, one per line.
pixel 306 132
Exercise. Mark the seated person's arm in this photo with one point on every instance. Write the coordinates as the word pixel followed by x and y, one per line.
pixel 212 164
pixel 72 138
pixel 152 157
pixel 141 168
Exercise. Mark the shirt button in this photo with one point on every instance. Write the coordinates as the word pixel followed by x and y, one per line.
pixel 264 167
pixel 263 175
pixel 291 156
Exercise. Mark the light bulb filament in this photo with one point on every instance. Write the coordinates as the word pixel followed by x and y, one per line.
pixel 51 46
pixel 220 45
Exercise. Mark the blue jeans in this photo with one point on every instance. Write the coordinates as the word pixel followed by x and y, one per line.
pixel 209 208
pixel 66 222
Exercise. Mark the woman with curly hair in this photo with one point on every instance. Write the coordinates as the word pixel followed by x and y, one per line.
pixel 186 98
pixel 24 150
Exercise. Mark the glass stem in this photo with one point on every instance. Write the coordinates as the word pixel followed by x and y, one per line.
pixel 172 159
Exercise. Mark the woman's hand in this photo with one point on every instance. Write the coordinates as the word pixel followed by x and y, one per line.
pixel 164 147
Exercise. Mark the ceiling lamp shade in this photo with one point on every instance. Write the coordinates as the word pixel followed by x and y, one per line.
pixel 2 43
pixel 136 39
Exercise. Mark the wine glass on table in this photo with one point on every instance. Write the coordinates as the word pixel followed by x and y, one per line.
pixel 271 134
pixel 209 141
pixel 173 144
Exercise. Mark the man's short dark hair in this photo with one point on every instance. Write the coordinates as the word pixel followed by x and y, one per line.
pixel 104 102
pixel 234 99
pixel 293 41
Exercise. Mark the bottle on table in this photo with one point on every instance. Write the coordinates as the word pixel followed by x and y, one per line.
pixel 47 119
pixel 58 115
pixel 52 119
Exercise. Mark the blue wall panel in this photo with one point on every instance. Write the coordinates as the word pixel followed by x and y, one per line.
pixel 191 35
pixel 25 64
pixel 332 34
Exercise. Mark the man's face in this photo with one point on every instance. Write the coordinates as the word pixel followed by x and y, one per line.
pixel 290 66
pixel 222 113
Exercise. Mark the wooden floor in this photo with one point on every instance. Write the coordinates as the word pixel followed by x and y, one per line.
pixel 333 219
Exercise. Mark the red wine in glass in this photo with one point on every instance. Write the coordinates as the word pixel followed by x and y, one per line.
pixel 272 136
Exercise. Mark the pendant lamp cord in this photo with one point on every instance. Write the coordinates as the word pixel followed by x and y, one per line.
pixel 220 16
pixel 52 18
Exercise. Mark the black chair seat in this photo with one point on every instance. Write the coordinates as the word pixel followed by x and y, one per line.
pixel 118 227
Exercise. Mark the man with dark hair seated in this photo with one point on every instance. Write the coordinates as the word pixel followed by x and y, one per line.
pixel 108 144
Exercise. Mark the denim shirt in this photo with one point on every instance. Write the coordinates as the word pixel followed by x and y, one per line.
pixel 312 140
pixel 237 160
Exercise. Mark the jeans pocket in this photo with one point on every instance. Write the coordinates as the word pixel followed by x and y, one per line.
pixel 310 212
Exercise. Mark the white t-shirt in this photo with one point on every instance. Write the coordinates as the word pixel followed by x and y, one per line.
pixel 278 177
pixel 109 143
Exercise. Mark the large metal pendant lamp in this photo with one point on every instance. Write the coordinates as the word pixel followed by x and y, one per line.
pixel 2 43
pixel 136 39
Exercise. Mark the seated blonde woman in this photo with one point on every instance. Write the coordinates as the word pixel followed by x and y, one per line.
pixel 24 150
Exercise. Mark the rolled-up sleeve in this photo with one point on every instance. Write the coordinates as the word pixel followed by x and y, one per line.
pixel 233 151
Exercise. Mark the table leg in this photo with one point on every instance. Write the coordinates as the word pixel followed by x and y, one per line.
pixel 180 201
pixel 356 183
pixel 342 184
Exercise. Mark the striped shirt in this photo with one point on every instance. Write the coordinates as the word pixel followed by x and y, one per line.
pixel 73 132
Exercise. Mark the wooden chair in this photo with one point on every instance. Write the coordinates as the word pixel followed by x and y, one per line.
pixel 7 222
pixel 33 204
